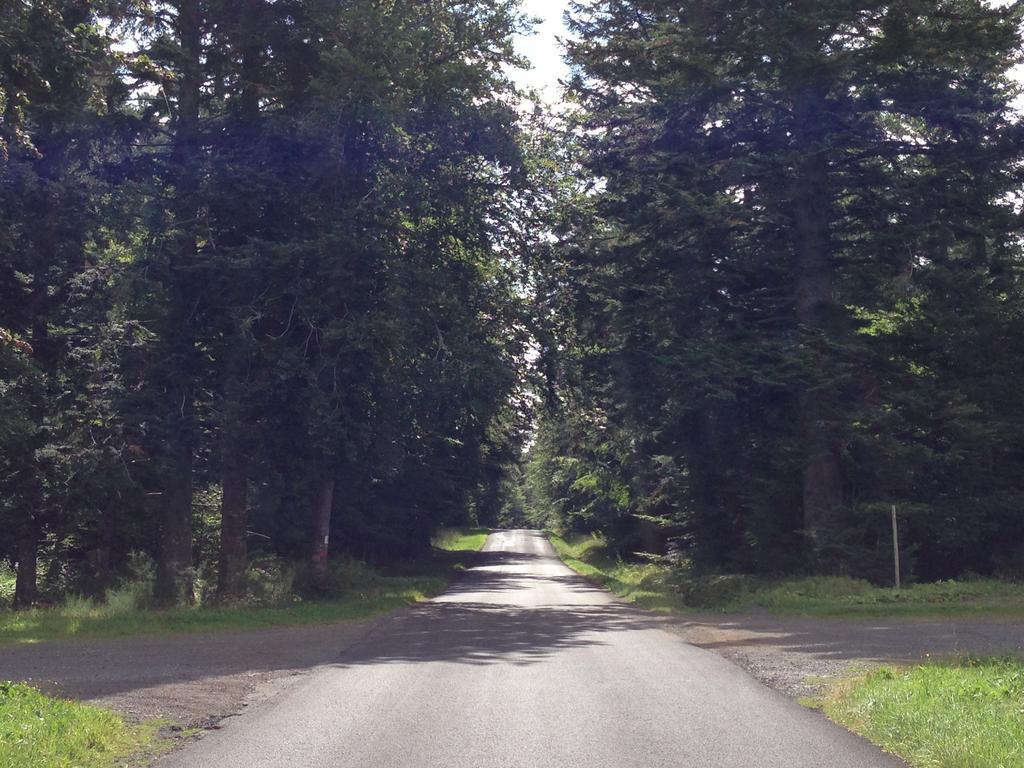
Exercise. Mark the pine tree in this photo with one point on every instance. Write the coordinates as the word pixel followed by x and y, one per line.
pixel 56 81
pixel 773 172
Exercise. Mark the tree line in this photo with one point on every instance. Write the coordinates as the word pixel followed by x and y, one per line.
pixel 262 270
pixel 308 277
pixel 794 300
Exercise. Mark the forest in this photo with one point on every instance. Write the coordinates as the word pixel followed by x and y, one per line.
pixel 299 280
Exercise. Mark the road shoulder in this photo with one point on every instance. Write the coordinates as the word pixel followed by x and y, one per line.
pixel 193 681
pixel 799 656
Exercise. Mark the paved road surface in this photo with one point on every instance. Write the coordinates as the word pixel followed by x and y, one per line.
pixel 522 664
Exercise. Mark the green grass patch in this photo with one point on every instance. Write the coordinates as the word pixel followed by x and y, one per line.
pixel 838 596
pixel 461 539
pixel 646 584
pixel 962 714
pixel 659 586
pixel 61 622
pixel 37 731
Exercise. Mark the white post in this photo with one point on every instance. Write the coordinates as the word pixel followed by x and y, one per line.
pixel 896 546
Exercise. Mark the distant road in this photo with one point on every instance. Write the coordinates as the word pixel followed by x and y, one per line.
pixel 522 664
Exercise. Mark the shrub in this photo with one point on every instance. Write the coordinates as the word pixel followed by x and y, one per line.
pixel 270 580
pixel 7 580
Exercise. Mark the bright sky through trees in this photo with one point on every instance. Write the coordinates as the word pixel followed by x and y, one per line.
pixel 542 48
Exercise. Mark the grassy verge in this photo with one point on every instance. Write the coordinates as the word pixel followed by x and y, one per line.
pixel 461 539
pixel 41 732
pixel 645 584
pixel 659 587
pixel 962 714
pixel 54 623
pixel 366 593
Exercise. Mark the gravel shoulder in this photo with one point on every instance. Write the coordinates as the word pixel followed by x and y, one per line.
pixel 193 681
pixel 798 655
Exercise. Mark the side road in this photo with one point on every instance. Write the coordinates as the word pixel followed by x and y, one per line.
pixel 197 680
pixel 192 680
pixel 794 655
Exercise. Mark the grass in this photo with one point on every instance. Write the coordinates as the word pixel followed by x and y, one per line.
pixel 61 622
pixel 37 731
pixel 461 539
pixel 657 586
pixel 966 713
pixel 363 593
pixel 645 584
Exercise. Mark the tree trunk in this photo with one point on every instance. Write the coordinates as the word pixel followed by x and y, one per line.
pixel 233 518
pixel 174 566
pixel 174 571
pixel 251 64
pixel 817 313
pixel 234 469
pixel 322 528
pixel 26 592
pixel 37 504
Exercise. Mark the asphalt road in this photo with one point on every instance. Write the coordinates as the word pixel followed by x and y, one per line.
pixel 522 664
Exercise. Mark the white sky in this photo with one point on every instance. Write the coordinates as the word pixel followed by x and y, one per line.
pixel 545 54
pixel 543 50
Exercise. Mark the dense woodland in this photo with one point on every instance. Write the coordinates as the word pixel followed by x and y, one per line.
pixel 262 274
pixel 299 279
pixel 799 299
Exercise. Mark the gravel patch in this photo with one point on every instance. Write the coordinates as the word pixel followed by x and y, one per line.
pixel 799 656
pixel 194 681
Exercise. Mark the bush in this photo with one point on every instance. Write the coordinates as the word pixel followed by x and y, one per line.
pixel 7 580
pixel 1011 567
pixel 345 576
pixel 270 580
pixel 709 591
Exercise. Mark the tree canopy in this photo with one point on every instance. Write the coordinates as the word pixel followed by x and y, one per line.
pixel 798 301
pixel 303 279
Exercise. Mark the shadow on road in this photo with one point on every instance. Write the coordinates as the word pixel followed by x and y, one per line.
pixel 494 614
pixel 485 633
pixel 464 627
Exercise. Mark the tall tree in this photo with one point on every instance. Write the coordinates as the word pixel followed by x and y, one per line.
pixel 772 176
pixel 56 71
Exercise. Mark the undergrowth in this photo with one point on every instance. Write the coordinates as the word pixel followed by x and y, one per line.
pixel 658 585
pixel 7 580
pixel 354 591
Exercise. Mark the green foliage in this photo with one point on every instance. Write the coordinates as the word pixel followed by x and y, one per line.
pixel 37 731
pixel 270 581
pixel 274 597
pixel 461 539
pixel 85 618
pixel 274 275
pixel 794 298
pixel 660 585
pixel 249 252
pixel 7 578
pixel 840 596
pixel 959 714
pixel 643 584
